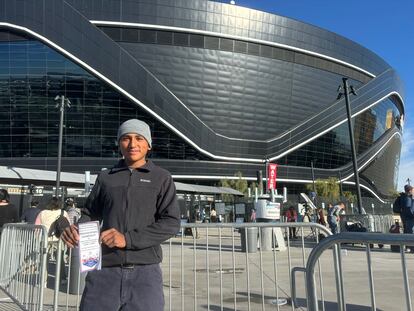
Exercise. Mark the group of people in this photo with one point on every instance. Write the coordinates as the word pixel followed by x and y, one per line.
pixel 332 219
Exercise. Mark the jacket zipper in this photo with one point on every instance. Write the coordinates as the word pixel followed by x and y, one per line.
pixel 126 212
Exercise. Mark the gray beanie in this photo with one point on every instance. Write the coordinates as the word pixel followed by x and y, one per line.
pixel 137 127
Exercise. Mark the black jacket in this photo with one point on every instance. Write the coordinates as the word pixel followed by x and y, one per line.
pixel 140 203
pixel 8 214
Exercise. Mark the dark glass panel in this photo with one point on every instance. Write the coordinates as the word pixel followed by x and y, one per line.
pixel 265 51
pixel 196 41
pixel 130 35
pixel 226 44
pixel 240 46
pixel 164 37
pixel 181 38
pixel 147 36
pixel 113 32
pixel 211 43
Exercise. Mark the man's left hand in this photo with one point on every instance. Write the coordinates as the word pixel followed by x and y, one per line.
pixel 113 238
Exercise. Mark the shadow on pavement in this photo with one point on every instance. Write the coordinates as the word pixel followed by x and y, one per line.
pixel 333 306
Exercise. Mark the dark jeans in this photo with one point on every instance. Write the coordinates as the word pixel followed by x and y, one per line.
pixel 408 225
pixel 333 225
pixel 127 289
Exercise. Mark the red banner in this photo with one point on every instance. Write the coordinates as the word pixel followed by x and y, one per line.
pixel 271 175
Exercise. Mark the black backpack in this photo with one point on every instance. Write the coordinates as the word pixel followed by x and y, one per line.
pixel 59 225
pixel 397 208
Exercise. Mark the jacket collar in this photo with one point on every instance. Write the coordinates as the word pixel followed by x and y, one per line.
pixel 121 165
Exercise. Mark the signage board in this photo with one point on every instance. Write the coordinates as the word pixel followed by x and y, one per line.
pixel 220 208
pixel 240 209
pixel 267 210
pixel 271 176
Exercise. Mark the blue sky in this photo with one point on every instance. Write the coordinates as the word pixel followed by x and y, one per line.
pixel 383 26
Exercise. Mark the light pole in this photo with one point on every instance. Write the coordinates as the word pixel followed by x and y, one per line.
pixel 345 88
pixel 313 180
pixel 62 102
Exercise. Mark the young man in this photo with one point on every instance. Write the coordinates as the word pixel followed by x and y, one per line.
pixel 333 216
pixel 406 208
pixel 135 202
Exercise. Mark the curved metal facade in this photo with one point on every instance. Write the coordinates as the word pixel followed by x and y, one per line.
pixel 224 88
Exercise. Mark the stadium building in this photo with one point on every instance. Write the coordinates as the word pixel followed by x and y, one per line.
pixel 224 88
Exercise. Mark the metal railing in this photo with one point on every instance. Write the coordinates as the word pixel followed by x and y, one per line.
pixel 216 266
pixel 401 240
pixel 23 264
pixel 373 223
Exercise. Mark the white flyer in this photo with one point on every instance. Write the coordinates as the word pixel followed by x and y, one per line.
pixel 90 254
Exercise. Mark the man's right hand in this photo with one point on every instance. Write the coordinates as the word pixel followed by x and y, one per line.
pixel 70 236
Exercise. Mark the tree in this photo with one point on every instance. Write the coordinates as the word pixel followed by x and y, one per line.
pixel 238 184
pixel 327 188
pixel 349 196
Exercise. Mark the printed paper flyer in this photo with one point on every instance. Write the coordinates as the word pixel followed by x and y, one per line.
pixel 89 247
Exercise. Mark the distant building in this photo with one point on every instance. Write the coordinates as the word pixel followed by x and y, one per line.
pixel 223 87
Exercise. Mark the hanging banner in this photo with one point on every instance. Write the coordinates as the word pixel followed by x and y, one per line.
pixel 271 176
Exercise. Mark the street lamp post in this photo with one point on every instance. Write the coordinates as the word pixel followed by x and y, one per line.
pixel 345 89
pixel 62 102
pixel 313 179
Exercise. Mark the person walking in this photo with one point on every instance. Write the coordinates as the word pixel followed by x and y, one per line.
pixel 402 205
pixel 49 215
pixel 333 216
pixel 253 215
pixel 8 212
pixel 321 216
pixel 213 215
pixel 30 214
pixel 46 218
pixel 292 216
pixel 74 213
pixel 406 204
pixel 136 204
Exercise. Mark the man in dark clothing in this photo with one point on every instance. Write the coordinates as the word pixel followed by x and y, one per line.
pixel 30 214
pixel 135 202
pixel 404 205
pixel 8 212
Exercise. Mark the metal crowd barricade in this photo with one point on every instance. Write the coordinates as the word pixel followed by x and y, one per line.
pixel 211 267
pixel 23 264
pixel 335 241
pixel 212 270
pixel 373 223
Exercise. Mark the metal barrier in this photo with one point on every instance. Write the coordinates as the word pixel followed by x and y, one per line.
pixel 373 223
pixel 23 264
pixel 218 267
pixel 205 267
pixel 368 239
pixel 219 271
